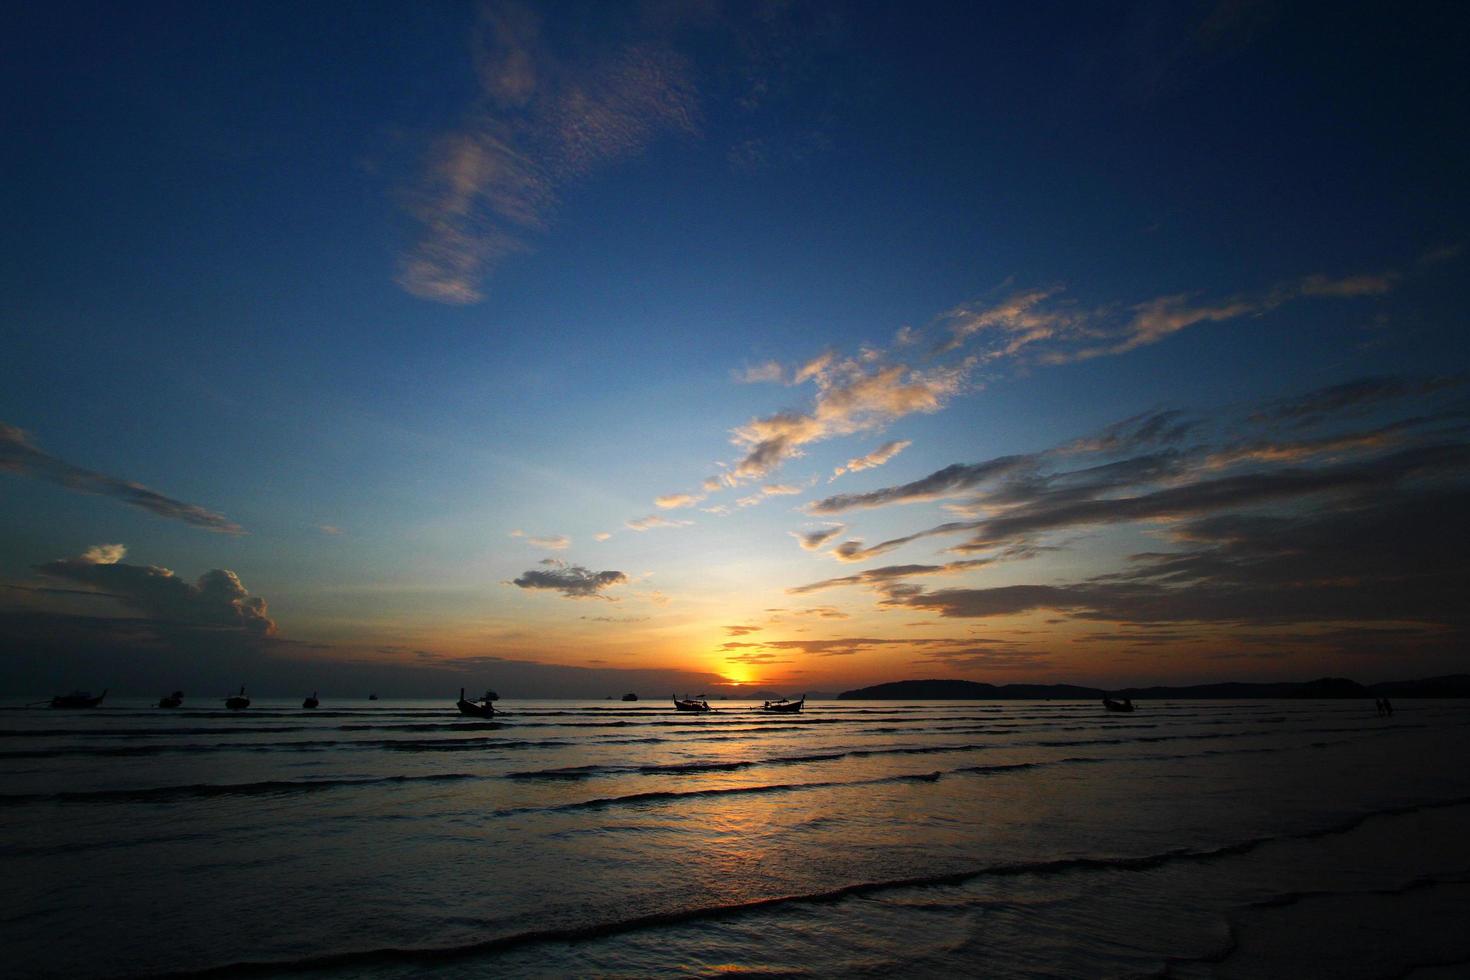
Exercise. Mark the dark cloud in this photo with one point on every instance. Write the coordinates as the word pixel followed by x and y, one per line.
pixel 1355 395
pixel 946 482
pixel 1159 427
pixel 1379 560
pixel 741 630
pixel 812 540
pixel 878 577
pixel 19 455
pixel 572 581
pixel 217 599
pixel 1228 492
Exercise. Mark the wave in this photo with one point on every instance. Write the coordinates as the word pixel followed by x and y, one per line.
pixel 360 959
pixel 270 787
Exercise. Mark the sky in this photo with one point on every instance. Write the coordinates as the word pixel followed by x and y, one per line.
pixel 580 348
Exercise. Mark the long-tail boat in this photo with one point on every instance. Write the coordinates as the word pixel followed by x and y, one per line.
pixel 483 708
pixel 77 699
pixel 171 700
pixel 239 701
pixel 311 702
pixel 690 704
pixel 785 706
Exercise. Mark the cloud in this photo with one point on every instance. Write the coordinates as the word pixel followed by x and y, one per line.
pixel 554 542
pixel 1379 560
pixel 670 501
pixel 572 581
pixel 880 577
pixel 766 373
pixel 853 395
pixel 1152 428
pixel 1317 532
pixel 813 540
pixel 601 536
pixel 949 481
pixel 769 490
pixel 1021 320
pixel 653 521
pixel 741 630
pixel 543 119
pixel 1036 324
pixel 1353 396
pixel 217 599
pixel 877 457
pixel 19 455
pixel 331 530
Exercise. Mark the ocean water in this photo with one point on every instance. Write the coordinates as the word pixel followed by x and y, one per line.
pixel 997 839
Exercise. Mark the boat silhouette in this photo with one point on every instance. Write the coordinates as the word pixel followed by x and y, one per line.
pixel 77 699
pixel 1124 705
pixel 630 697
pixel 239 701
pixel 171 700
pixel 311 702
pixel 482 708
pixel 691 704
pixel 785 706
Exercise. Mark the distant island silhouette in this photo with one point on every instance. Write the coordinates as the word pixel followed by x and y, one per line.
pixel 1448 686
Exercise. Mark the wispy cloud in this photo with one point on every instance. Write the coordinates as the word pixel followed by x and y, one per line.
pixel 652 521
pixel 1042 326
pixel 19 455
pixel 853 395
pixel 544 118
pixel 875 458
pixel 550 542
pixel 768 372
pixel 672 501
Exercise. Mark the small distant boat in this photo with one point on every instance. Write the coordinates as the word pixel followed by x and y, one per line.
pixel 630 697
pixel 311 702
pixel 77 699
pixel 1124 705
pixel 239 701
pixel 171 700
pixel 691 704
pixel 372 697
pixel 785 706
pixel 483 708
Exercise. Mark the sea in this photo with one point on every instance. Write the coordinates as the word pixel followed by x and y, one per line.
pixel 396 839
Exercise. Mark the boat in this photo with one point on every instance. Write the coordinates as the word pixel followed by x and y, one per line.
pixel 372 697
pixel 171 700
pixel 77 699
pixel 1124 705
pixel 483 708
pixel 311 702
pixel 785 706
pixel 691 704
pixel 239 701
pixel 630 697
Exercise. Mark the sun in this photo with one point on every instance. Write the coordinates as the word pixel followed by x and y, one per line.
pixel 737 676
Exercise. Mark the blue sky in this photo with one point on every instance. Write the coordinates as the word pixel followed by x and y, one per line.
pixel 393 306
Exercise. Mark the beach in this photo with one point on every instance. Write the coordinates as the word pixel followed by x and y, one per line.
pixel 392 839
